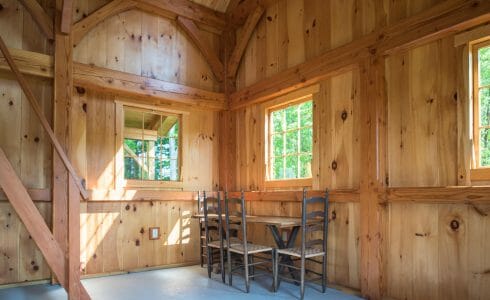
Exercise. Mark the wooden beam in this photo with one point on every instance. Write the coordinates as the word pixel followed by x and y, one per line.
pixel 39 16
pixel 373 178
pixel 238 15
pixel 44 122
pixel 35 194
pixel 106 80
pixel 434 23
pixel 241 44
pixel 66 17
pixel 30 63
pixel 141 195
pixel 187 9
pixel 297 196
pixel 82 27
pixel 199 39
pixel 453 194
pixel 166 8
pixel 439 21
pixel 31 218
pixel 125 84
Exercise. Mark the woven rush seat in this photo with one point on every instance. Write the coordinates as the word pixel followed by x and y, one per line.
pixel 252 248
pixel 309 252
pixel 216 244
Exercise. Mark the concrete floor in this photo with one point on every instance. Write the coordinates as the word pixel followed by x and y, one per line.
pixel 178 283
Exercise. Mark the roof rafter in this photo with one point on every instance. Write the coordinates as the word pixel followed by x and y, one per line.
pixel 42 19
pixel 249 27
pixel 166 8
pixel 199 39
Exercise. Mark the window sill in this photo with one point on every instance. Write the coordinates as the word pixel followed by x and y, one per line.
pixel 305 182
pixel 153 184
pixel 481 174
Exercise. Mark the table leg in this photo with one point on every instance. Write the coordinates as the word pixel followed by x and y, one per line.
pixel 281 244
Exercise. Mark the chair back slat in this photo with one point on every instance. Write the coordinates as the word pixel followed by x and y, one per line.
pixel 314 200
pixel 312 243
pixel 235 219
pixel 315 208
pixel 315 214
pixel 213 225
pixel 314 227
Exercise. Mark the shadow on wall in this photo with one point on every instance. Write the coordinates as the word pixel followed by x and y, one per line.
pixel 115 236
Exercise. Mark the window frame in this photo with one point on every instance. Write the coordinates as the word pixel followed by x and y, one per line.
pixel 285 182
pixel 144 183
pixel 477 172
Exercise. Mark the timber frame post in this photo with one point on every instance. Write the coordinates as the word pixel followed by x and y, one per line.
pixel 373 176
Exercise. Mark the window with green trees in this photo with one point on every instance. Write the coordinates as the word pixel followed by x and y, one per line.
pixel 481 103
pixel 291 141
pixel 151 145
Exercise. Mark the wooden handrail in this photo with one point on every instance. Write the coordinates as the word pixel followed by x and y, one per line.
pixel 44 122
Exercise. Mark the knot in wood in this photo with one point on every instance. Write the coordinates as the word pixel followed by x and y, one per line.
pixel 334 165
pixel 344 115
pixel 454 225
pixel 334 215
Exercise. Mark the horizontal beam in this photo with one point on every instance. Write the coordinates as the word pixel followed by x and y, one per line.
pixel 106 80
pixel 434 23
pixel 35 194
pixel 30 63
pixel 166 8
pixel 130 85
pixel 140 195
pixel 297 196
pixel 456 194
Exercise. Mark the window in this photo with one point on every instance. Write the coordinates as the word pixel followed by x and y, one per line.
pixel 290 141
pixel 481 104
pixel 151 145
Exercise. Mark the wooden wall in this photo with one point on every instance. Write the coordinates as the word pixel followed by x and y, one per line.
pixel 424 258
pixel 114 233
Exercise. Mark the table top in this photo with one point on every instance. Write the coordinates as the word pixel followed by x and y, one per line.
pixel 279 221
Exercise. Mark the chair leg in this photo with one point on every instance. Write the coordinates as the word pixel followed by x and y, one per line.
pixel 324 274
pixel 230 263
pixel 252 268
pixel 302 278
pixel 222 264
pixel 210 263
pixel 274 270
pixel 247 278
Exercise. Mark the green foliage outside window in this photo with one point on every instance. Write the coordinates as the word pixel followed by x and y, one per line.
pixel 291 142
pixel 154 156
pixel 484 105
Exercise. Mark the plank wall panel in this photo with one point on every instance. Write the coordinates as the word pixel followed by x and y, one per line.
pixel 422 129
pixel 146 45
pixel 430 259
pixel 116 235
pixel 20 258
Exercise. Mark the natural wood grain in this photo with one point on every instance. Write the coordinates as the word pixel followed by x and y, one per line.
pixel 35 194
pixel 242 42
pixel 30 63
pixel 166 8
pixel 454 194
pixel 199 39
pixel 43 20
pixel 432 24
pixel 32 219
pixel 373 177
pixel 32 99
pixel 66 16
pixel 121 83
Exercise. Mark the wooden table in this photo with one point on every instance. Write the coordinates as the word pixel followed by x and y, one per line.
pixel 274 223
